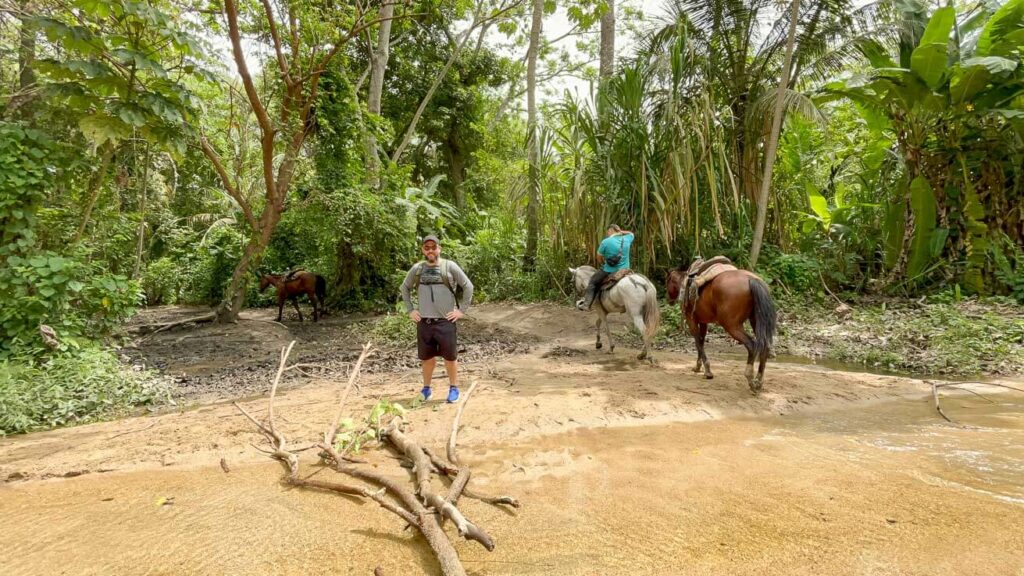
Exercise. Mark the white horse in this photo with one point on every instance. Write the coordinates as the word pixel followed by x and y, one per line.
pixel 634 295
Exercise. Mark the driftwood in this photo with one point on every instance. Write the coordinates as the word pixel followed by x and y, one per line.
pixel 209 317
pixel 422 508
pixel 937 385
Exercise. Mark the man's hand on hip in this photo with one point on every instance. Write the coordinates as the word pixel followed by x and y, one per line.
pixel 454 315
pixel 415 315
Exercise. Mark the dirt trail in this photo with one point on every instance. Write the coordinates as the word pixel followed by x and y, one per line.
pixel 623 467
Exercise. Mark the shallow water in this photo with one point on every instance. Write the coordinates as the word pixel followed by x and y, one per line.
pixel 869 488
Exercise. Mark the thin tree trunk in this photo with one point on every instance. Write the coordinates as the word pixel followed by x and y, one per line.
pixel 234 296
pixel 533 140
pixel 379 60
pixel 20 104
pixel 607 66
pixel 430 94
pixel 456 156
pixel 142 214
pixel 773 138
pixel 93 190
pixel 378 66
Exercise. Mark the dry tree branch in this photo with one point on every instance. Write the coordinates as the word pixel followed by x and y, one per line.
pixel 462 478
pixel 285 352
pixel 422 468
pixel 167 326
pixel 937 385
pixel 422 512
pixel 352 377
pixel 450 472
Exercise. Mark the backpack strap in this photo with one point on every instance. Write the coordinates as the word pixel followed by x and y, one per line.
pixel 443 264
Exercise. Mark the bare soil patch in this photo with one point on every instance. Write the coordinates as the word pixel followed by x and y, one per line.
pixel 622 467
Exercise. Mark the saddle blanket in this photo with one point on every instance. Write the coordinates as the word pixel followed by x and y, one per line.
pixel 615 277
pixel 700 273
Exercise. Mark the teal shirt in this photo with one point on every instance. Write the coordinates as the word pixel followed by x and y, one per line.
pixel 610 247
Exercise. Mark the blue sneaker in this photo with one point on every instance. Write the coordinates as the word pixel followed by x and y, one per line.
pixel 425 393
pixel 453 395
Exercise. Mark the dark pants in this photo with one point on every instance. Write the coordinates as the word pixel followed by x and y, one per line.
pixel 436 337
pixel 595 284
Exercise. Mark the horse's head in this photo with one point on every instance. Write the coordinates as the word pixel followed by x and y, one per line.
pixel 673 284
pixel 265 280
pixel 581 277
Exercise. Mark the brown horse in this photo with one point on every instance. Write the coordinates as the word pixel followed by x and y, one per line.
pixel 294 285
pixel 729 300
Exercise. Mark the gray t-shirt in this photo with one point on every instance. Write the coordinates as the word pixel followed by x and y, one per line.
pixel 435 299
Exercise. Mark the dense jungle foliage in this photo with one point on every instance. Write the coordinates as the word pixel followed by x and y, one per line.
pixel 164 152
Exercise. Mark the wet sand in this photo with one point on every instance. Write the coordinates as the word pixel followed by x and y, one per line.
pixel 871 489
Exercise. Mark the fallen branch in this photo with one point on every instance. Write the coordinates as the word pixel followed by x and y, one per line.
pixel 389 494
pixel 937 385
pixel 352 377
pixel 422 468
pixel 938 406
pixel 210 317
pixel 450 472
pixel 462 478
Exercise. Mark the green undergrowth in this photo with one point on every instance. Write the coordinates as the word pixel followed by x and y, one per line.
pixel 71 388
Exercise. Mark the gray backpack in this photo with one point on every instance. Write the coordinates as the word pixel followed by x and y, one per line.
pixel 445 277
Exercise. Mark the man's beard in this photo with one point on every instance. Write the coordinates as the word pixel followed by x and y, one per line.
pixel 431 257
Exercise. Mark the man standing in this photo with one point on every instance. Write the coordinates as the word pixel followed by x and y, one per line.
pixel 435 280
pixel 614 251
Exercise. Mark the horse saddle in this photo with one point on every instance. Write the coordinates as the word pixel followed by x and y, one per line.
pixel 700 273
pixel 293 275
pixel 614 277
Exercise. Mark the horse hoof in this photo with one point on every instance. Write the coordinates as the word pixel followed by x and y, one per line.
pixel 598 345
pixel 641 356
pixel 698 368
pixel 611 348
pixel 709 376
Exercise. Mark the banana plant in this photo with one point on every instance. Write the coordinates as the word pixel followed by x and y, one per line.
pixel 955 103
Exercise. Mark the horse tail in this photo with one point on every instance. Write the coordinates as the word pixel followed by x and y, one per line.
pixel 321 288
pixel 764 316
pixel 652 313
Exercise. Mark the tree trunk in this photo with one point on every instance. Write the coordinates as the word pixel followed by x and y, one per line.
pixel 533 140
pixel 607 67
pixel 20 105
pixel 456 51
pixel 234 296
pixel 142 214
pixel 378 66
pixel 456 156
pixel 773 138
pixel 93 190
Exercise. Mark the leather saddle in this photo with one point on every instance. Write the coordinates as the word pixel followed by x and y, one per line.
pixel 614 277
pixel 699 274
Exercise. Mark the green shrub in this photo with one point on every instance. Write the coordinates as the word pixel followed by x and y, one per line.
pixel 72 388
pixel 798 272
pixel 77 299
pixel 393 330
pixel 216 258
pixel 161 282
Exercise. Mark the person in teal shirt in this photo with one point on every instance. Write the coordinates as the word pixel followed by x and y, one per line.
pixel 614 252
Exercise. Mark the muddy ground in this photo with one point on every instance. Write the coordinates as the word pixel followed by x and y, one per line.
pixel 623 467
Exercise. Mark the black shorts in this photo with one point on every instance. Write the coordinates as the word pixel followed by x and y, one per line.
pixel 436 337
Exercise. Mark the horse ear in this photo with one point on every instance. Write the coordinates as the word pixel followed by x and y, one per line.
pixel 572 270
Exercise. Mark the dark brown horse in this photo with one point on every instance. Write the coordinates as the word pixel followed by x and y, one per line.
pixel 729 300
pixel 292 286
